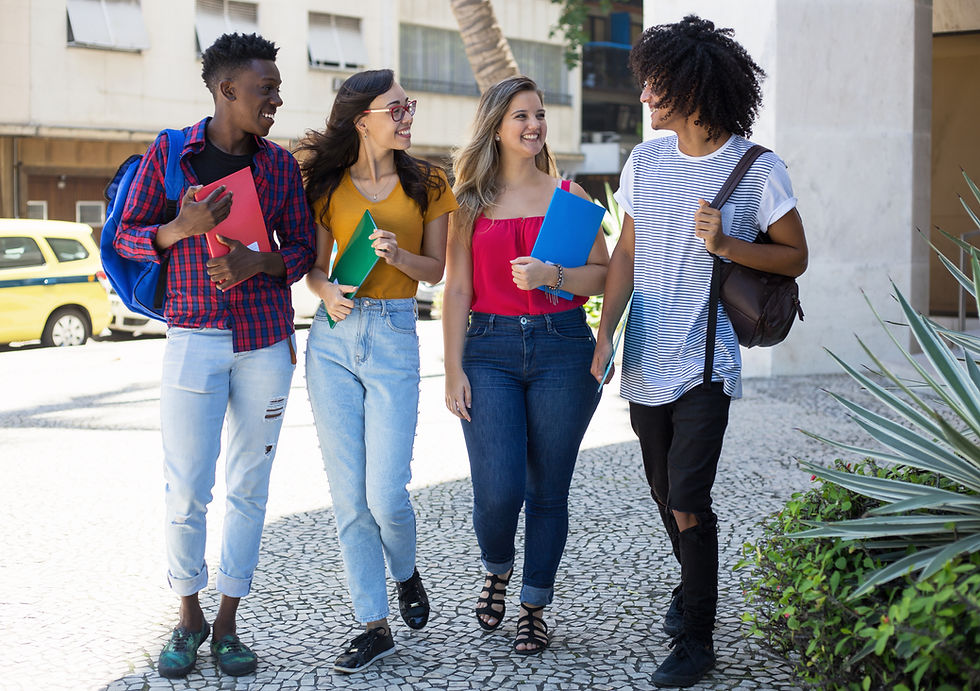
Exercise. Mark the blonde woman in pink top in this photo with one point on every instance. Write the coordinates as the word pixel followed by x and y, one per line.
pixel 517 360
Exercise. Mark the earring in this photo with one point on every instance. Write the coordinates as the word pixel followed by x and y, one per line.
pixel 496 137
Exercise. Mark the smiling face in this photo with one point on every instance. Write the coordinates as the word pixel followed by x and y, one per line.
pixel 253 94
pixel 381 130
pixel 660 118
pixel 524 129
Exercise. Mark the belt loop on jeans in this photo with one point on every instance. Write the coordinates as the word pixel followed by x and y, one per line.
pixel 547 322
pixel 490 321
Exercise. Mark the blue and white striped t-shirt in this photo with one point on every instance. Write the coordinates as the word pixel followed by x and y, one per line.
pixel 663 352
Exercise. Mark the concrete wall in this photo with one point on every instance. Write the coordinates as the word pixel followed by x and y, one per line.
pixel 850 115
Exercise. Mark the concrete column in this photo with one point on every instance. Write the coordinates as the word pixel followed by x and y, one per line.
pixel 848 108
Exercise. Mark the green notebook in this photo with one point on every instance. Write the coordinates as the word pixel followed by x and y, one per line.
pixel 354 265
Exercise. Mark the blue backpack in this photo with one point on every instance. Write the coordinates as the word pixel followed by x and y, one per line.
pixel 142 286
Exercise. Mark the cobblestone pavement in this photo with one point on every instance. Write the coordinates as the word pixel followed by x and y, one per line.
pixel 84 602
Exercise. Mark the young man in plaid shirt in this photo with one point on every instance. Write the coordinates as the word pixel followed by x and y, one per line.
pixel 230 348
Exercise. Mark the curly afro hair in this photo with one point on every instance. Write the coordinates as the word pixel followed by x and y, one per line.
pixel 694 67
pixel 231 52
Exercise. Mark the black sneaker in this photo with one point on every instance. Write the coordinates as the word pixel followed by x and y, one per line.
pixel 674 619
pixel 687 664
pixel 369 646
pixel 413 603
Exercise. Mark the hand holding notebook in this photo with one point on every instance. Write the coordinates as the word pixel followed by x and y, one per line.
pixel 567 233
pixel 353 266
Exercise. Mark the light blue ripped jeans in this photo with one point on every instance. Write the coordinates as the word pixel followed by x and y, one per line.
pixel 363 381
pixel 202 380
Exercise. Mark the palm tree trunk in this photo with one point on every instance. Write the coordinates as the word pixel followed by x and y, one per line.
pixel 486 48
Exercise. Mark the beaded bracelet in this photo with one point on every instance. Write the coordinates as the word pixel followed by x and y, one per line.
pixel 561 277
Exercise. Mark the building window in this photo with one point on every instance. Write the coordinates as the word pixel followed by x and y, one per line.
pixel 37 210
pixel 545 64
pixel 92 213
pixel 434 60
pixel 111 24
pixel 217 17
pixel 336 42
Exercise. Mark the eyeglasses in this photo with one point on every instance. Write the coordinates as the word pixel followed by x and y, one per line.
pixel 397 112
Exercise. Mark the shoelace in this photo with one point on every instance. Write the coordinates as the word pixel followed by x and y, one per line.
pixel 180 640
pixel 234 646
pixel 366 640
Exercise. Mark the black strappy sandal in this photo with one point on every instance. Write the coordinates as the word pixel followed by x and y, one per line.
pixel 489 598
pixel 528 631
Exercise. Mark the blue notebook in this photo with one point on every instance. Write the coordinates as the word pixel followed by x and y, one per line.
pixel 567 233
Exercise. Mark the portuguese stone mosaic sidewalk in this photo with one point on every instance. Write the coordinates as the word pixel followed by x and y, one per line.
pixel 83 604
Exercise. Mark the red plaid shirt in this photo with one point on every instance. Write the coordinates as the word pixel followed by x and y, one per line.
pixel 259 311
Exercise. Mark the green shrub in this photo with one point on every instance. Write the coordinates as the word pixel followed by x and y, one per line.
pixel 904 634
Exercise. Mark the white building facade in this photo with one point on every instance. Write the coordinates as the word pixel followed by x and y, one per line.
pixel 95 80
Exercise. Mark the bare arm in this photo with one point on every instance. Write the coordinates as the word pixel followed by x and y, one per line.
pixel 619 286
pixel 456 301
pixel 787 254
pixel 332 294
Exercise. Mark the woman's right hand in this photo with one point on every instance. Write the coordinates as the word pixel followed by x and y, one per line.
pixel 458 395
pixel 337 306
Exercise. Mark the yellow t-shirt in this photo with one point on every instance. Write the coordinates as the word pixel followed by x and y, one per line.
pixel 397 213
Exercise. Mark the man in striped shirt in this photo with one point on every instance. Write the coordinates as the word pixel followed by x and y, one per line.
pixel 230 342
pixel 700 85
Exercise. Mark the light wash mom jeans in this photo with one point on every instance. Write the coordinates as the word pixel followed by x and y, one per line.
pixel 363 381
pixel 202 380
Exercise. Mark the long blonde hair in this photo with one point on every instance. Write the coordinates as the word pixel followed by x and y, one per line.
pixel 475 166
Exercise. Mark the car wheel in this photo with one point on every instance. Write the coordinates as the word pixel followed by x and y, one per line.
pixel 68 326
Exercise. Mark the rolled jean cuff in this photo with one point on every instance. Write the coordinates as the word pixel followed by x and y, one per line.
pixel 537 597
pixel 498 568
pixel 232 587
pixel 362 619
pixel 188 586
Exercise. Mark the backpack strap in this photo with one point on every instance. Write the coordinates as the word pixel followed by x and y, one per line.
pixel 174 183
pixel 174 179
pixel 735 177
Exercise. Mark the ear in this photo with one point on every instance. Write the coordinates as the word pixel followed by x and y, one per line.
pixel 227 89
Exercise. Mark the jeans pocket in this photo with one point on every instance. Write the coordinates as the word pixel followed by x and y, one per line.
pixel 401 321
pixel 477 330
pixel 579 332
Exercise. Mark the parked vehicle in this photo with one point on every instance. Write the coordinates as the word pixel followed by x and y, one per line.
pixel 124 320
pixel 52 286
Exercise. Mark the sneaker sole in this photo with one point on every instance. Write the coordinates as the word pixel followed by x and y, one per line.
pixel 352 670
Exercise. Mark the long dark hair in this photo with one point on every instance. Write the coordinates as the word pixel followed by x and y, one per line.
pixel 326 155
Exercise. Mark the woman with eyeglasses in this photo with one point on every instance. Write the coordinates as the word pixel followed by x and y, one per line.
pixel 517 359
pixel 363 373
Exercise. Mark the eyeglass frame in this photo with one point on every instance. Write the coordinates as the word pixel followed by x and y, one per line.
pixel 409 108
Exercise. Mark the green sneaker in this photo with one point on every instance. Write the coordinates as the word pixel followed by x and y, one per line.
pixel 234 658
pixel 180 653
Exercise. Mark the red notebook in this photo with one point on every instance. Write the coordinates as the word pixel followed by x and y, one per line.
pixel 245 222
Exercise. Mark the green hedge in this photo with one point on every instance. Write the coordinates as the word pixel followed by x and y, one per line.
pixel 903 635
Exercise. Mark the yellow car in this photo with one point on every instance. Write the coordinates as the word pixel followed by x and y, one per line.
pixel 51 283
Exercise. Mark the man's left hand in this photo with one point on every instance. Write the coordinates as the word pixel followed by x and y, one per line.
pixel 239 264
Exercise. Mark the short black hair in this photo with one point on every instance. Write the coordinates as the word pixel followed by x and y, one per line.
pixel 230 52
pixel 695 67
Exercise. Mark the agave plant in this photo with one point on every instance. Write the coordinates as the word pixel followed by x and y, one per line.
pixel 918 528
